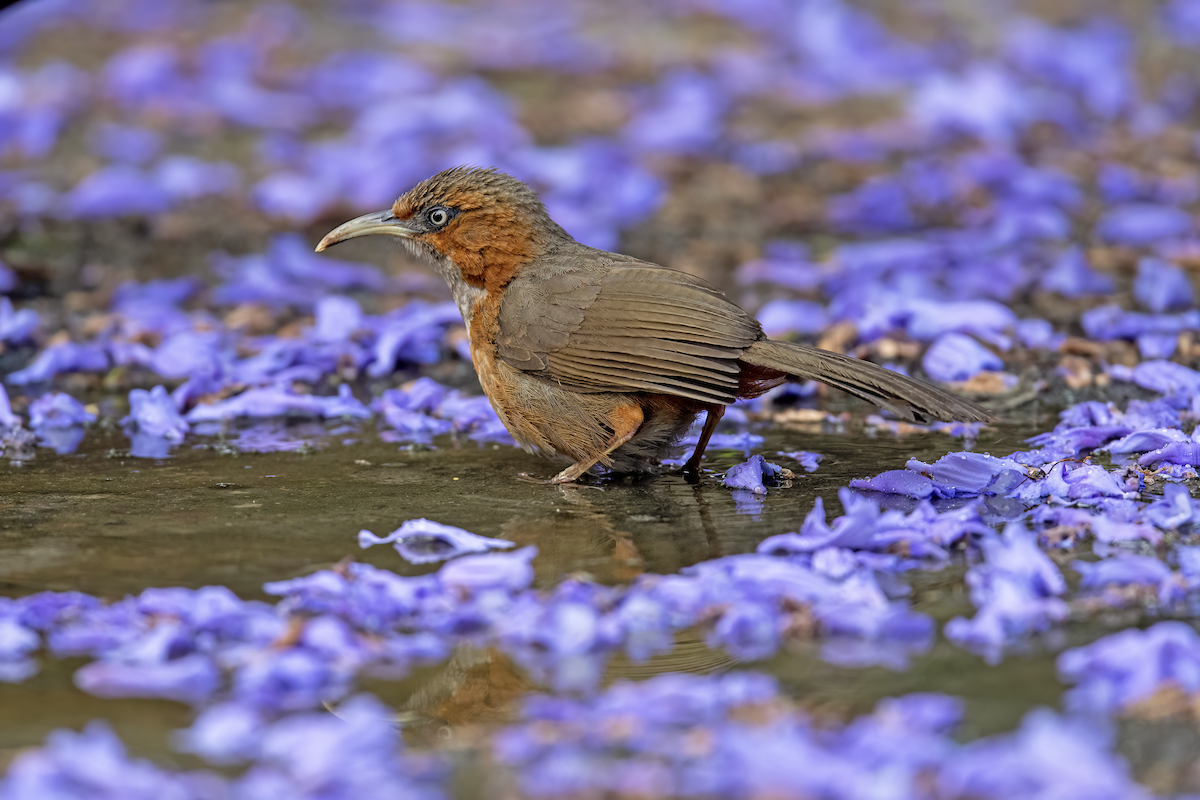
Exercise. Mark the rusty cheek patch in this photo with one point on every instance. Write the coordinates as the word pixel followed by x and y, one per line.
pixel 489 252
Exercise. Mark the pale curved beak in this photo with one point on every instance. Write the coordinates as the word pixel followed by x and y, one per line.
pixel 383 222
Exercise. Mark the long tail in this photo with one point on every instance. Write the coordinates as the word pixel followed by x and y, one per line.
pixel 905 397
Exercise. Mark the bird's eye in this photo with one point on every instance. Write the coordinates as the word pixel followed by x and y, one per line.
pixel 437 217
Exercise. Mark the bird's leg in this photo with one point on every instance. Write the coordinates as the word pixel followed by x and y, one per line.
pixel 712 417
pixel 625 421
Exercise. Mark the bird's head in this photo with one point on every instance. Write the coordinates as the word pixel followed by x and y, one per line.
pixel 486 223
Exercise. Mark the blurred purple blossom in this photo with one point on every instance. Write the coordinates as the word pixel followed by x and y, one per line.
pixel 116 191
pixel 1122 668
pixel 1140 224
pixel 1071 276
pixel 154 413
pixel 1015 591
pixel 58 358
pixel 125 143
pixel 473 573
pixel 186 178
pixel 1161 286
pixel 190 678
pixel 289 273
pixel 8 418
pixel 1121 569
pixel 16 327
pixel 58 410
pixel 957 357
pixel 987 101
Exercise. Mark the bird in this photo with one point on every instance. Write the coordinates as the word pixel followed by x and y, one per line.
pixel 598 358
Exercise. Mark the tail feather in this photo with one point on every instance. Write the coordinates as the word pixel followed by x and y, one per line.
pixel 907 398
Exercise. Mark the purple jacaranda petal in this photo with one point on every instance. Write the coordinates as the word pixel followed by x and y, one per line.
pixel 337 318
pixel 8 418
pixel 413 425
pixel 16 640
pixel 967 474
pixel 896 481
pixel 94 763
pixel 1121 569
pixel 423 394
pixel 1165 377
pixel 343 405
pixel 749 631
pixel 187 178
pixel 226 733
pixel 743 442
pixel 509 571
pixel 684 116
pixel 289 679
pixel 1123 668
pixel 957 357
pixel 1180 20
pixel 1146 440
pixel 1186 453
pixel 62 357
pixel 1112 322
pixel 1106 529
pixel 1074 440
pixel 784 317
pixel 1175 508
pixel 1071 276
pixel 423 541
pixel 785 264
pixel 1144 224
pixel 116 191
pixel 878 205
pixel 154 413
pixel 1015 590
pixel 810 461
pixel 1161 286
pixel 269 401
pixel 750 474
pixel 17 327
pixel 412 336
pixel 289 273
pixel 1048 756
pixel 352 754
pixel 189 679
pixel 142 73
pixel 18 671
pixel 929 320
pixel 45 610
pixel 986 101
pixel 645 627
pixel 465 412
pixel 1038 334
pixel 125 143
pixel 1157 345
pixel 1090 481
pixel 58 410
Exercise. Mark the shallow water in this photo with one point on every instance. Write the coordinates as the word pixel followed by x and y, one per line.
pixel 102 522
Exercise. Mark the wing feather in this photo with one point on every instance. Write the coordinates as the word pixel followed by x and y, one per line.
pixel 632 327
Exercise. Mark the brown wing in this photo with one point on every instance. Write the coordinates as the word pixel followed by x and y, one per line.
pixel 632 327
